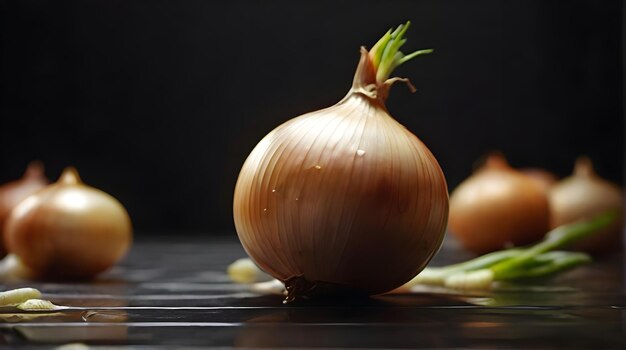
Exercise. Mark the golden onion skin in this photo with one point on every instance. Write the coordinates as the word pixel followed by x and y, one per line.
pixel 344 196
pixel 69 230
pixel 583 195
pixel 498 207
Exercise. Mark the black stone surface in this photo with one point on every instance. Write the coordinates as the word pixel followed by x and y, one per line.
pixel 175 294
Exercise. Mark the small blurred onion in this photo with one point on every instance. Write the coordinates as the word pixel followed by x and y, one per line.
pixel 68 230
pixel 498 207
pixel 583 195
pixel 12 193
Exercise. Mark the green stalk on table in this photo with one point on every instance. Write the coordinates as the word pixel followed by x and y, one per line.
pixel 539 260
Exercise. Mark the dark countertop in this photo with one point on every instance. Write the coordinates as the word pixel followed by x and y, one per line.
pixel 176 293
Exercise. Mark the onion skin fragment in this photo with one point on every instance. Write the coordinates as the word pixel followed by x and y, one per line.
pixel 17 296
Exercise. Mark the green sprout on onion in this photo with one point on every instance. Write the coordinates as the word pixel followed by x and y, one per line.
pixel 386 55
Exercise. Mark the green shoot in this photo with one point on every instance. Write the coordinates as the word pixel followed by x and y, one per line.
pixel 560 237
pixel 386 54
pixel 438 275
pixel 537 261
pixel 549 264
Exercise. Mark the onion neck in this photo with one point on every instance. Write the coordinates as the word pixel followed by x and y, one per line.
pixel 365 76
pixel 496 160
pixel 70 176
pixel 34 171
pixel 584 167
pixel 365 84
pixel 372 77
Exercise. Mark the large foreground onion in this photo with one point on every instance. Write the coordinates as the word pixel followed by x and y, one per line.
pixel 345 198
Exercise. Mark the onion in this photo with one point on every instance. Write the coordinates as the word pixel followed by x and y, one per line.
pixel 585 194
pixel 498 207
pixel 14 192
pixel 344 199
pixel 68 230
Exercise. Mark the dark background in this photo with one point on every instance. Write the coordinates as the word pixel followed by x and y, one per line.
pixel 159 102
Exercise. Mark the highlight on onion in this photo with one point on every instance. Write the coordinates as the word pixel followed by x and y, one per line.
pixel 583 195
pixel 344 199
pixel 498 207
pixel 12 193
pixel 68 230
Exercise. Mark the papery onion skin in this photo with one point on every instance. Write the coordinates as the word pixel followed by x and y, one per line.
pixel 498 207
pixel 583 195
pixel 12 193
pixel 342 199
pixel 69 230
